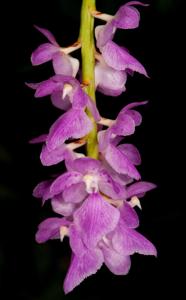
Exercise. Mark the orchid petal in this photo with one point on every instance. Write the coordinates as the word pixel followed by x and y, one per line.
pixel 104 33
pixel 50 229
pixel 75 193
pixel 135 115
pixel 43 54
pixel 61 207
pixel 120 163
pixel 129 216
pixel 65 64
pixel 119 58
pixel 82 267
pixel 110 187
pixel 73 124
pixel 124 125
pixel 47 34
pixel 132 105
pixel 117 263
pixel 53 157
pixel 127 17
pixel 86 165
pixel 129 241
pixel 65 181
pixel 131 152
pixel 95 218
pixel 59 102
pixel 93 109
pixel 62 64
pixel 109 81
pixel 42 190
pixel 76 242
pixel 38 139
pixel 139 188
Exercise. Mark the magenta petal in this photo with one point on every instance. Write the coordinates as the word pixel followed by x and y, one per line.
pixel 95 218
pixel 93 109
pixel 57 101
pixel 61 207
pixel 124 125
pixel 47 87
pixel 119 58
pixel 129 216
pixel 38 139
pixel 135 115
pixel 110 187
pixel 50 229
pixel 78 97
pixel 120 163
pixel 104 137
pixel 82 267
pixel 121 179
pixel 49 158
pixel 86 165
pixel 42 190
pixel 76 242
pixel 75 193
pixel 62 64
pixel 64 181
pixel 139 188
pixel 47 34
pixel 131 152
pixel 43 54
pixel 130 241
pixel 117 263
pixel 127 17
pixel 104 33
pixel 65 64
pixel 132 105
pixel 73 124
pixel 109 81
pixel 31 85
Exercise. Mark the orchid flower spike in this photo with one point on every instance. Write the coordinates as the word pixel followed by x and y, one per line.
pixel 94 200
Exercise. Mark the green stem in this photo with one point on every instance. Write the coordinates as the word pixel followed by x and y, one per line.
pixel 88 66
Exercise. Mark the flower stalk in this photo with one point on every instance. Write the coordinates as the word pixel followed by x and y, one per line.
pixel 88 67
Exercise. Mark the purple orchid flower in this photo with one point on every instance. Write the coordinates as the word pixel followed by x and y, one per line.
pixel 65 92
pixel 97 238
pixel 63 152
pixel 127 17
pixel 86 176
pixel 109 81
pixel 117 57
pixel 63 63
pixel 121 158
pixel 74 123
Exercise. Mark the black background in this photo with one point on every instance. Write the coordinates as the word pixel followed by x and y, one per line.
pixel 36 272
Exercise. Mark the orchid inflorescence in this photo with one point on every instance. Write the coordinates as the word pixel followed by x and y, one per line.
pixel 96 196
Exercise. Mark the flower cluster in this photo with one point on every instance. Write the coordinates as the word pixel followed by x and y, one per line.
pixel 95 197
